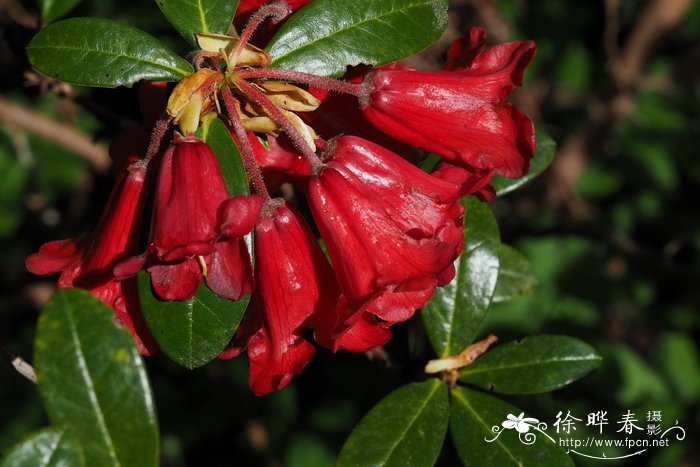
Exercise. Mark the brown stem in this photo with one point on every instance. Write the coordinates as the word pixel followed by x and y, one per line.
pixel 61 133
pixel 251 166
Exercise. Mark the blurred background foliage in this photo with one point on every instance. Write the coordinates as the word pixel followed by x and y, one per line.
pixel 612 231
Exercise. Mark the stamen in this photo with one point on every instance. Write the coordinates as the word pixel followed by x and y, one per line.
pixel 203 265
pixel 305 78
pixel 299 142
pixel 246 149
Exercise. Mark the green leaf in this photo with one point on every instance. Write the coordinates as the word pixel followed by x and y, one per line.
pixel 103 53
pixel 50 447
pixel 93 381
pixel 215 134
pixel 52 9
pixel 455 313
pixel 407 427
pixel 544 155
pixel 534 365
pixel 191 332
pixel 476 418
pixel 191 16
pixel 515 275
pixel 326 36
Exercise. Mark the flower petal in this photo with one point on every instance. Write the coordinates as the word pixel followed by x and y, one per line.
pixel 238 215
pixel 176 281
pixel 229 271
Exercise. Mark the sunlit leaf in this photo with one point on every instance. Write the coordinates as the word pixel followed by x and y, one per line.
pixel 103 53
pixel 515 275
pixel 407 427
pixel 93 381
pixel 534 365
pixel 476 418
pixel 46 448
pixel 191 16
pixel 455 313
pixel 326 36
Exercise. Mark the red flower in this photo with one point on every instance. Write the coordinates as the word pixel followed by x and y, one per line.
pixel 186 242
pixel 87 261
pixel 294 282
pixel 392 231
pixel 462 114
pixel 280 162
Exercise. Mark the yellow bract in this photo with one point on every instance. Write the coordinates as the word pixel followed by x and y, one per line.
pixel 193 97
pixel 249 55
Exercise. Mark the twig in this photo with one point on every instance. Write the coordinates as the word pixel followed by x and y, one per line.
pixel 627 69
pixel 22 367
pixel 658 17
pixel 61 133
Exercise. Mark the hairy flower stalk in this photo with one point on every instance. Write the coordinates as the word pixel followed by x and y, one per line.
pixel 246 149
pixel 305 78
pixel 277 11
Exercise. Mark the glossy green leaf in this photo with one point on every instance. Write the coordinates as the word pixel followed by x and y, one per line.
pixel 477 432
pixel 534 365
pixel 455 313
pixel 544 155
pixel 94 383
pixel 191 16
pixel 515 275
pixel 326 36
pixel 103 53
pixel 191 332
pixel 51 447
pixel 407 427
pixel 215 134
pixel 52 9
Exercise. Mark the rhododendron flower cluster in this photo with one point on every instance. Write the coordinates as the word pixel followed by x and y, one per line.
pixel 391 231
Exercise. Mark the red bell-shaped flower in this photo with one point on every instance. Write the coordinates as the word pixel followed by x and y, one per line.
pixel 460 114
pixel 392 231
pixel 186 241
pixel 87 262
pixel 294 283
